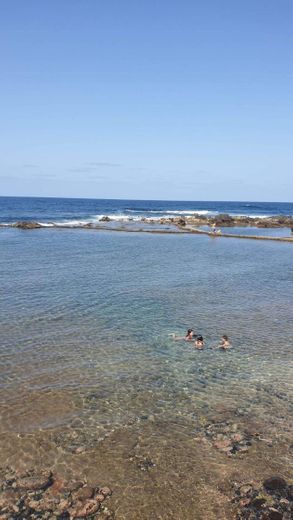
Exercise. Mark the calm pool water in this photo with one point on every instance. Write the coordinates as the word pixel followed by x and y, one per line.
pixel 87 361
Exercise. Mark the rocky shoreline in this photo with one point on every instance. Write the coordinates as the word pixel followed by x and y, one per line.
pixel 225 220
pixel 218 221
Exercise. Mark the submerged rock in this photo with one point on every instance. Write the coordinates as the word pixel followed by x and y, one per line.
pixel 33 483
pixel 275 483
pixel 41 495
pixel 265 502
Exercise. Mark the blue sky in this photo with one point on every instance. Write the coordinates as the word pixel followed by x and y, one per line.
pixel 189 100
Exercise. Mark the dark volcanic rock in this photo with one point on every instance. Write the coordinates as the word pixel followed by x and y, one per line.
pixel 290 492
pixel 224 220
pixel 274 514
pixel 264 503
pixel 105 219
pixel 181 222
pixel 26 225
pixel 275 483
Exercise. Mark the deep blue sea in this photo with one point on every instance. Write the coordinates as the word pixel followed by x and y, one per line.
pixel 92 384
pixel 79 211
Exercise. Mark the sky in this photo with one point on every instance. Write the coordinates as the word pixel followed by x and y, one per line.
pixel 166 99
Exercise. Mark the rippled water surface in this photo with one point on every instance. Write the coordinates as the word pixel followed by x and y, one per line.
pixel 87 361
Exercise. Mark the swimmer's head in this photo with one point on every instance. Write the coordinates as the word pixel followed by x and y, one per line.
pixel 189 331
pixel 225 337
pixel 199 338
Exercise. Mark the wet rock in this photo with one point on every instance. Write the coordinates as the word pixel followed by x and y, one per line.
pixel 181 222
pixel 33 483
pixel 224 220
pixel 80 449
pixel 221 444
pixel 242 449
pixel 274 514
pixel 84 493
pixel 99 498
pixel 247 489
pixel 44 504
pixel 275 483
pixel 290 492
pixel 237 437
pixel 64 505
pixel 258 502
pixel 26 225
pixel 88 508
pixel 262 503
pixel 244 502
pixel 43 496
pixel 7 499
pixel 226 436
pixel 105 219
pixel 59 486
pixel 105 491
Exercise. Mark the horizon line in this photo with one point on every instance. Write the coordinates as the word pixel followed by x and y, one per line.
pixel 141 200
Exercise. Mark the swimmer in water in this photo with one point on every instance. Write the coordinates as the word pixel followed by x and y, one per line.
pixel 224 343
pixel 189 336
pixel 199 342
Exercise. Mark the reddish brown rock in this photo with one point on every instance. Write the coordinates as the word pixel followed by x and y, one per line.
pixel 64 505
pixel 220 445
pixel 99 498
pixel 7 499
pixel 105 491
pixel 244 502
pixel 88 508
pixel 59 486
pixel 45 504
pixel 237 437
pixel 83 493
pixel 33 483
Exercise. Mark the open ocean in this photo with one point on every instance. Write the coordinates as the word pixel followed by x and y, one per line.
pixel 87 360
pixel 76 212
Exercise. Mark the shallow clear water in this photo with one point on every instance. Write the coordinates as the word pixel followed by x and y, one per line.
pixel 87 361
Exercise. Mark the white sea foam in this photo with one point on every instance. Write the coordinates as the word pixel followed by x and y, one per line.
pixel 249 216
pixel 72 223
pixel 174 212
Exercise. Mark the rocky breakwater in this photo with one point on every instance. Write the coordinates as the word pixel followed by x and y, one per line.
pixel 23 224
pixel 224 220
pixel 32 495
pixel 272 500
